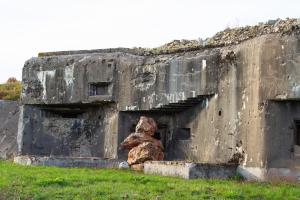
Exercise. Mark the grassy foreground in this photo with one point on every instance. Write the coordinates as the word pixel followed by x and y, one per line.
pixel 19 182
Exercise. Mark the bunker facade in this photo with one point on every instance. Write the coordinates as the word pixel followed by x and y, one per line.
pixel 232 104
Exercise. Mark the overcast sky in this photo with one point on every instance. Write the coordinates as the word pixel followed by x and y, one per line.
pixel 31 26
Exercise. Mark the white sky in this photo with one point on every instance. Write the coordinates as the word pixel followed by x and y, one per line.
pixel 31 26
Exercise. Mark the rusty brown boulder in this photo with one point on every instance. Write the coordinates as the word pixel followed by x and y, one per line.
pixel 144 152
pixel 135 139
pixel 146 125
pixel 142 145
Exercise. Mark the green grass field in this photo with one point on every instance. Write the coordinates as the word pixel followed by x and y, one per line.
pixel 19 182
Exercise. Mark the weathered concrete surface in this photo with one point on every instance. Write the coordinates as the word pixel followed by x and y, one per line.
pixel 190 170
pixel 209 103
pixel 55 131
pixel 267 174
pixel 135 82
pixel 67 161
pixel 9 115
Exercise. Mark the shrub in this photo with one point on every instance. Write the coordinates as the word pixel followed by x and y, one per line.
pixel 10 90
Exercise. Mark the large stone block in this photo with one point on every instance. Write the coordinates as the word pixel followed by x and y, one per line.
pixel 189 170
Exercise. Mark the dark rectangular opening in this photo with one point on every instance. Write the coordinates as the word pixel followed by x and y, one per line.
pixel 163 132
pixel 70 115
pixel 183 134
pixel 100 88
pixel 297 133
pixel 62 113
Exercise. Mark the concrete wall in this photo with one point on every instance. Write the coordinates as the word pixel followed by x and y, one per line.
pixel 65 79
pixel 220 95
pixel 279 98
pixel 279 71
pixel 136 82
pixel 9 114
pixel 48 131
pixel 279 132
pixel 151 82
pixel 231 116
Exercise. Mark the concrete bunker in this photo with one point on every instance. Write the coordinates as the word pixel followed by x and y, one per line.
pixel 231 100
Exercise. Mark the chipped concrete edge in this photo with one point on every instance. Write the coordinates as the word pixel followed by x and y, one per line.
pixel 67 161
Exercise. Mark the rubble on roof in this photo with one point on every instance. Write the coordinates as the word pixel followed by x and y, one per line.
pixel 237 35
pixel 227 37
pixel 232 36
